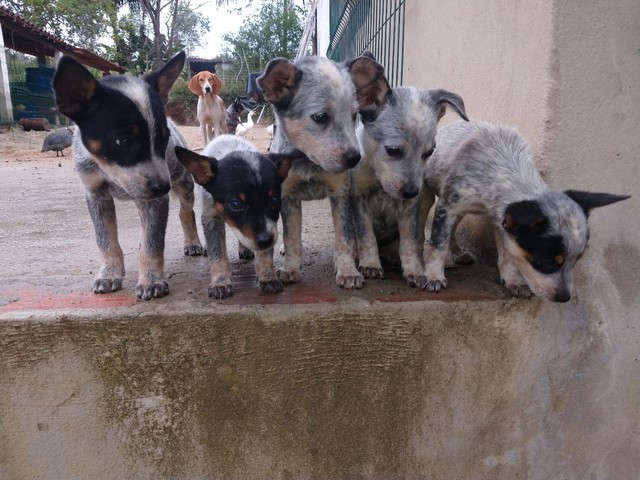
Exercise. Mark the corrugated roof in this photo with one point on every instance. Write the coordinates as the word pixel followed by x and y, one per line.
pixel 25 37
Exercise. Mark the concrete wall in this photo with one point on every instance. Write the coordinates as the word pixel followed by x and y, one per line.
pixel 358 389
pixel 495 54
pixel 477 390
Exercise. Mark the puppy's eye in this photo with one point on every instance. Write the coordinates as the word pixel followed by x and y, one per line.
pixel 428 153
pixel 394 152
pixel 320 118
pixel 275 200
pixel 367 116
pixel 123 142
pixel 546 266
pixel 236 205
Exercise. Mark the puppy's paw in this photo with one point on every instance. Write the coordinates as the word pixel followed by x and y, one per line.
pixel 349 281
pixel 271 286
pixel 106 285
pixel 435 285
pixel 220 291
pixel 245 253
pixel 290 276
pixel 372 273
pixel 194 250
pixel 156 289
pixel 518 291
pixel 415 281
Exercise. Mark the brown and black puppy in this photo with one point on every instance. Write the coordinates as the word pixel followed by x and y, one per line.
pixel 242 189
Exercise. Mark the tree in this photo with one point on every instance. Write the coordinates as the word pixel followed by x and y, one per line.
pixel 77 21
pixel 155 30
pixel 274 31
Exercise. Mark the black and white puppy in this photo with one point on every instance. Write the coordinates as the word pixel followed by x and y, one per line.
pixel 396 143
pixel 540 233
pixel 124 148
pixel 315 101
pixel 242 188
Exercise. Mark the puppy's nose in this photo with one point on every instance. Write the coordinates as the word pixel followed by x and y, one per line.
pixel 352 157
pixel 264 240
pixel 410 192
pixel 562 296
pixel 207 89
pixel 159 188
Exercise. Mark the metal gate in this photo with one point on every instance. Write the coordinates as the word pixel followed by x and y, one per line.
pixel 374 25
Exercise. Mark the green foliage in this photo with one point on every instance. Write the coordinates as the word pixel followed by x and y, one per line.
pixel 230 91
pixel 126 36
pixel 274 31
pixel 77 21
pixel 182 103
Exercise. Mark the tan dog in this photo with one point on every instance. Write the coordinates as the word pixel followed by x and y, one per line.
pixel 211 109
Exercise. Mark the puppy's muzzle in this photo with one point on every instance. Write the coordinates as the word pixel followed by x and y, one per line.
pixel 409 191
pixel 264 240
pixel 159 189
pixel 351 158
pixel 207 89
pixel 562 296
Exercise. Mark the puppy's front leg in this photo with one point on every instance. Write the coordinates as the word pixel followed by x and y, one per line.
pixel 511 277
pixel 184 190
pixel 219 267
pixel 291 213
pixel 412 221
pixel 103 214
pixel 153 215
pixel 347 274
pixel 267 278
pixel 367 246
pixel 437 249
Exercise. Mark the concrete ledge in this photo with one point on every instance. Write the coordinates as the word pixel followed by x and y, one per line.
pixel 358 390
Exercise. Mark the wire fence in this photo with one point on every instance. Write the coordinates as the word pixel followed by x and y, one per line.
pixel 29 89
pixel 374 25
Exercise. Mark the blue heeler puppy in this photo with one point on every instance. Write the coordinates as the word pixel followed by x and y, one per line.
pixel 396 143
pixel 124 148
pixel 540 233
pixel 315 102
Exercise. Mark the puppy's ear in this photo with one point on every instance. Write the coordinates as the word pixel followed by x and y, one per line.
pixel 163 79
pixel 524 218
pixel 203 169
pixel 283 162
pixel 442 98
pixel 279 82
pixel 368 54
pixel 589 200
pixel 75 88
pixel 371 85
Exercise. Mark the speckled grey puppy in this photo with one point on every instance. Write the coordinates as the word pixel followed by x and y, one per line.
pixel 540 233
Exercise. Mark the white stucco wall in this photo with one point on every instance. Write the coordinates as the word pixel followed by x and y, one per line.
pixel 494 54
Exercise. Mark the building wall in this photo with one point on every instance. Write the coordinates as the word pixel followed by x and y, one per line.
pixel 495 54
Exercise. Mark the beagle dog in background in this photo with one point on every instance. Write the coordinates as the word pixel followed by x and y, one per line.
pixel 211 110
